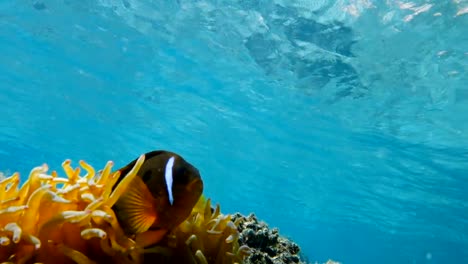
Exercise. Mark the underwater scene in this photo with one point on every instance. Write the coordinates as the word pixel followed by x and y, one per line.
pixel 215 131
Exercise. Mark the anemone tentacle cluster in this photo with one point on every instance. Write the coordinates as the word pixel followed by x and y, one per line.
pixel 54 219
pixel 207 236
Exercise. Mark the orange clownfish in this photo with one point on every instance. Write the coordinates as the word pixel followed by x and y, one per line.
pixel 159 198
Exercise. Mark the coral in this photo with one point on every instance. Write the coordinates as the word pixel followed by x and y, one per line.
pixel 267 246
pixel 332 262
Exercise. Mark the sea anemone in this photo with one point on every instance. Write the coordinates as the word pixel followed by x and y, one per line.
pixel 53 219
pixel 207 236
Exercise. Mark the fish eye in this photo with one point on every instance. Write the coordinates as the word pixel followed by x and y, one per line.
pixel 183 175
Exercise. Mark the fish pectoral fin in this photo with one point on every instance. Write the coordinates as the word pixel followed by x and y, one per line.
pixel 150 237
pixel 136 207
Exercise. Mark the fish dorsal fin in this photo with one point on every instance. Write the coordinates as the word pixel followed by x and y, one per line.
pixel 135 207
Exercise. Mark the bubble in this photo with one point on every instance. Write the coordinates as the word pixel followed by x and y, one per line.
pixel 428 255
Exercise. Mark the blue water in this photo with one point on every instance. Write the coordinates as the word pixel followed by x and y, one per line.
pixel 343 123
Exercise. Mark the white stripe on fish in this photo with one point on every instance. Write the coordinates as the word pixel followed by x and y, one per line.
pixel 169 178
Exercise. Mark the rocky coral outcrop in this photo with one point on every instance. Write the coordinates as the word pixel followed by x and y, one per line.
pixel 267 246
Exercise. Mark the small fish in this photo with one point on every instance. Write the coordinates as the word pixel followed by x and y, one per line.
pixel 160 197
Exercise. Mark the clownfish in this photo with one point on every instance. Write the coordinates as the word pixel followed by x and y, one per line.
pixel 159 198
